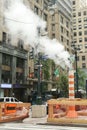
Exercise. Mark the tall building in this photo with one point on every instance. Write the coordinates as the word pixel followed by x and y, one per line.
pixel 13 61
pixel 80 31
pixel 15 64
pixel 60 26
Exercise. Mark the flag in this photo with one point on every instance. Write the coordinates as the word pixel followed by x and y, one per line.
pixel 56 72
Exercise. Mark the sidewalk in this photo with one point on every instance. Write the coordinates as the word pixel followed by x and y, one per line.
pixel 35 121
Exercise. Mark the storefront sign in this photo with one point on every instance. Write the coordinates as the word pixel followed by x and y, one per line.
pixel 6 85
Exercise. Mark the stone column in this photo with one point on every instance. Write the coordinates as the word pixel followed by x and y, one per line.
pixel 25 70
pixel 13 70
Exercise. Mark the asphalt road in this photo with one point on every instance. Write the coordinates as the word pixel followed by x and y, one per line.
pixel 23 126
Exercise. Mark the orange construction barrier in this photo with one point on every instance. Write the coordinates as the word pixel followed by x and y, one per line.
pixel 71 111
pixel 10 108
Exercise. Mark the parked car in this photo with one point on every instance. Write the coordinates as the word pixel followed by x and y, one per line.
pixel 9 99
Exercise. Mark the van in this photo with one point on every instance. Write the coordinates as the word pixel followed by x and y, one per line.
pixel 9 99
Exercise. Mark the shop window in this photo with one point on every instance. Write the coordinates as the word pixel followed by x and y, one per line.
pixel 20 63
pixel 6 59
pixel 19 77
pixel 6 76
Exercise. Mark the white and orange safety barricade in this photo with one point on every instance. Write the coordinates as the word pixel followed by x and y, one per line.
pixel 71 112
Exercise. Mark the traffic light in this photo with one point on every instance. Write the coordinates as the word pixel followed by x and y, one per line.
pixel 31 53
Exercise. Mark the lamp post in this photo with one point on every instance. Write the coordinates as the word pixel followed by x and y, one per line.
pixel 76 48
pixel 76 70
pixel 39 98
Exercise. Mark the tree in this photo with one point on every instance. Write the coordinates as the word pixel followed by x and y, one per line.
pixel 81 78
pixel 62 84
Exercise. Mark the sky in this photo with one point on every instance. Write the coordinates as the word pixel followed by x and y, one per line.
pixel 21 21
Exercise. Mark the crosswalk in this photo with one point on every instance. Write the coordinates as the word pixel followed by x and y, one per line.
pixel 22 126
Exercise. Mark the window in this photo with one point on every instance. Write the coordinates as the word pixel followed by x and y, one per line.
pixel 20 43
pixel 45 17
pixel 86 46
pixel 80 33
pixel 74 41
pixel 53 17
pixel 83 65
pixel 53 36
pixel 74 27
pixel 85 25
pixel 75 34
pixel 83 58
pixel 6 59
pixel 4 37
pixel 9 38
pixel 84 13
pixel 80 39
pixel 74 15
pixel 36 10
pixel 80 26
pixel 62 38
pixel 79 20
pixel 53 27
pixel 12 100
pixel 20 63
pixel 6 76
pixel 85 32
pixel 79 13
pixel 85 19
pixel 85 39
pixel 74 3
pixel 37 1
pixel 62 19
pixel 74 9
pixel 67 24
pixel 62 29
pixel 7 99
pixel 67 33
pixel 67 42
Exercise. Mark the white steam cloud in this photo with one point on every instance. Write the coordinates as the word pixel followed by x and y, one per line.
pixel 22 20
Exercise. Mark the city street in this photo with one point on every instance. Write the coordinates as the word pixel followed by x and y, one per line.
pixel 24 126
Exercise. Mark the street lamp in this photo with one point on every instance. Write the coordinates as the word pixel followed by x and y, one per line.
pixel 76 70
pixel 39 98
pixel 76 49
